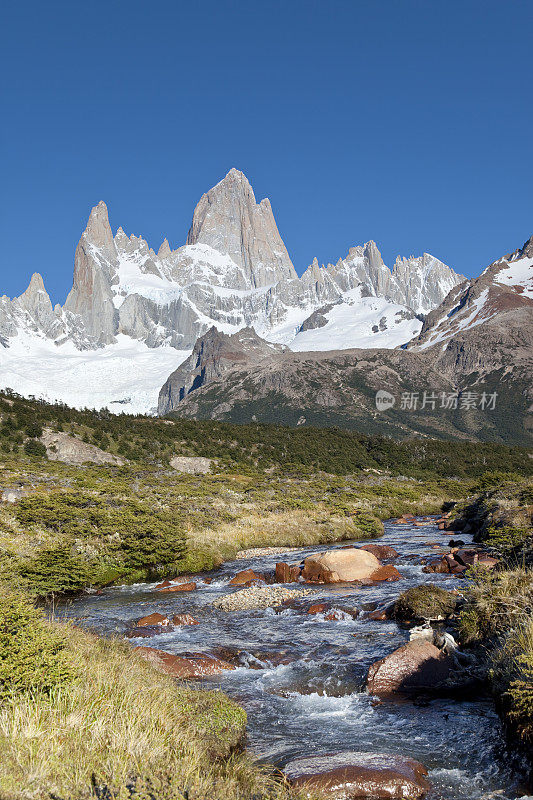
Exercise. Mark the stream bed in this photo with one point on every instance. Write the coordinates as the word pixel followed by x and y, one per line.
pixel 316 703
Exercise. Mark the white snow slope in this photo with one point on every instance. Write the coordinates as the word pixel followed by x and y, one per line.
pixel 124 377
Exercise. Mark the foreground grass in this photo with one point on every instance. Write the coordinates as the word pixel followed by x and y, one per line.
pixel 117 723
pixel 499 610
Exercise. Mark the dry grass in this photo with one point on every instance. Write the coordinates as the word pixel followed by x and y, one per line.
pixel 123 726
pixel 283 529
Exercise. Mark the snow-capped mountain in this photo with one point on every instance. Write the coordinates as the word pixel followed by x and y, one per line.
pixel 133 315
pixel 469 374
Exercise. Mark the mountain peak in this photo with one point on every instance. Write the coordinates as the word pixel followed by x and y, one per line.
pixel 164 250
pixel 228 219
pixel 98 230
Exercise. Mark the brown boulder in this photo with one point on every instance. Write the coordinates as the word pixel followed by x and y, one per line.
pixel 179 587
pixel 381 551
pixel 244 577
pixel 340 566
pixel 386 573
pixel 286 574
pixel 469 558
pixel 355 776
pixel 186 666
pixel 415 667
pixel 153 619
pixel 163 585
pixel 318 608
pixel 184 619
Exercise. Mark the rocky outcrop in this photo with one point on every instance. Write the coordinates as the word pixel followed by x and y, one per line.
pixel 193 465
pixel 212 356
pixel 356 776
pixel 71 450
pixel 228 219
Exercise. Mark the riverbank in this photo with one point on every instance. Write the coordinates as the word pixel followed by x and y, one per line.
pixel 84 717
pixel 499 609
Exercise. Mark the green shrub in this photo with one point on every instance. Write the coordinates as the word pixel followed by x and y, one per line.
pixel 55 570
pixel 35 449
pixel 506 537
pixel 32 653
pixel 368 525
pixel 425 602
pixel 34 430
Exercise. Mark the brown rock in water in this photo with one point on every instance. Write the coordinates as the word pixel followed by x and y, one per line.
pixel 163 585
pixel 416 667
pixel 355 776
pixel 244 577
pixel 153 619
pixel 339 566
pixel 179 587
pixel 286 574
pixel 381 551
pixel 386 573
pixel 184 619
pixel 186 666
pixel 318 608
pixel 470 557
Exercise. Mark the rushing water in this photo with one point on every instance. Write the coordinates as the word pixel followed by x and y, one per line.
pixel 316 703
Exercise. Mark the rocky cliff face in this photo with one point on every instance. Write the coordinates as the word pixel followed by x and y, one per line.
pixel 229 220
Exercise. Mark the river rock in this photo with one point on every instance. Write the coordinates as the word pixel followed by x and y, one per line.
pixel 355 776
pixel 415 667
pixel 179 587
pixel 258 597
pixel 381 551
pixel 153 619
pixel 338 566
pixel 245 576
pixel 186 666
pixel 286 574
pixel 384 573
pixel 184 619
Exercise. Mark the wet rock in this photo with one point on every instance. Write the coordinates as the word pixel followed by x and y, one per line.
pixel 163 585
pixel 337 566
pixel 385 573
pixel 381 551
pixel 245 576
pixel 258 597
pixel 186 666
pixel 179 587
pixel 469 558
pixel 184 619
pixel 153 619
pixel 318 608
pixel 415 667
pixel 355 776
pixel 286 574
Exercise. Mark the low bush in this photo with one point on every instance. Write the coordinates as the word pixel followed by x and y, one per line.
pixel 425 602
pixel 33 653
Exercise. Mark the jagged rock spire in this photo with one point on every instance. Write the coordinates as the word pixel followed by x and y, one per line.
pixel 228 219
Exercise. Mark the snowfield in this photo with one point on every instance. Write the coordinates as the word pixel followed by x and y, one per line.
pixel 124 377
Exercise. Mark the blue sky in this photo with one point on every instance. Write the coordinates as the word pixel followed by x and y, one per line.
pixel 409 122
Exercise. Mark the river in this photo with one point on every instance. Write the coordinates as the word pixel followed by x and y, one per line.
pixel 316 703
